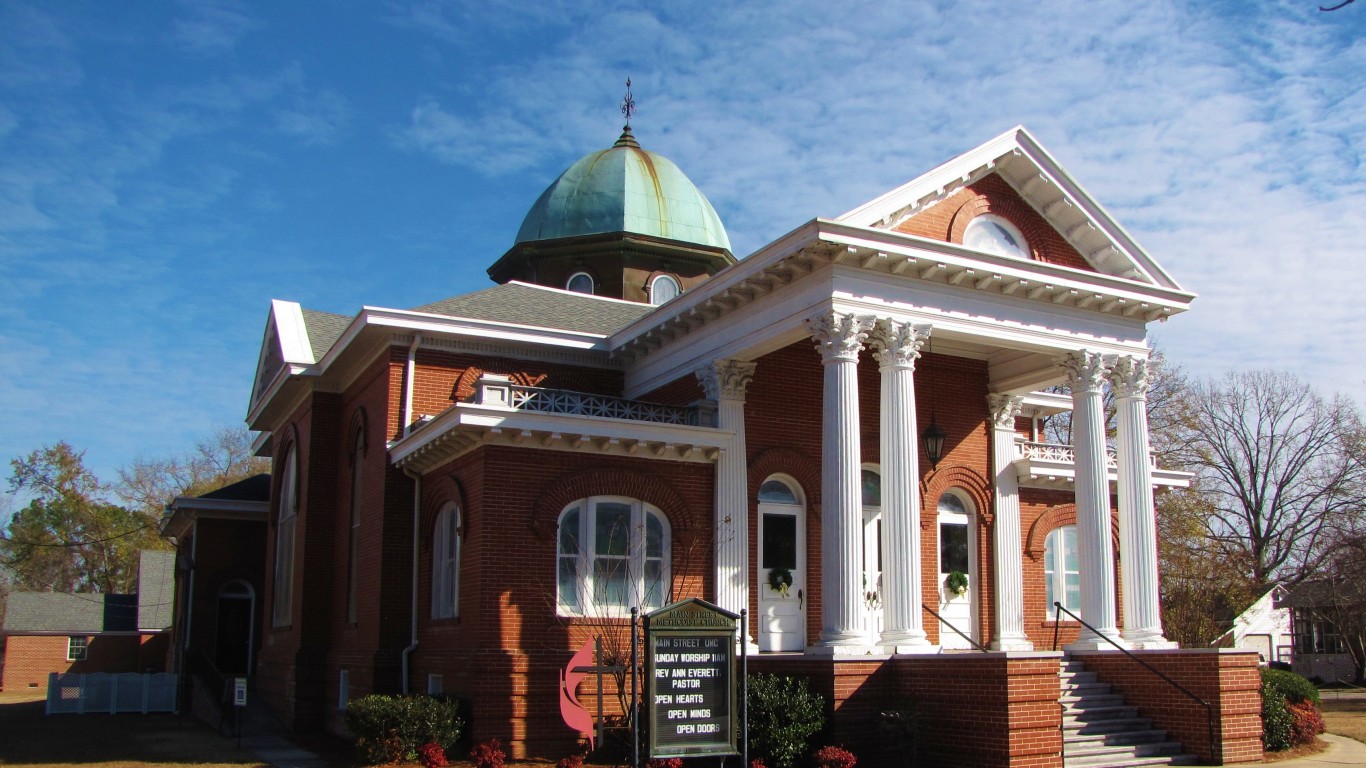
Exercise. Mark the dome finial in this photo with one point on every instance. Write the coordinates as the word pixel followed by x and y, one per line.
pixel 628 108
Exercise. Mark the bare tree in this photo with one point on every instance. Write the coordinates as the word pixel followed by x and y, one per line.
pixel 220 459
pixel 1277 467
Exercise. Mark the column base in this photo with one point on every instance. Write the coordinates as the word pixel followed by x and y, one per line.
pixel 923 649
pixel 1012 643
pixel 903 637
pixel 1090 641
pixel 845 651
pixel 1149 641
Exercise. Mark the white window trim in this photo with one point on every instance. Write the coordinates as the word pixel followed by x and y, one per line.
pixel 635 555
pixel 282 607
pixel 1003 223
pixel 592 284
pixel 1055 573
pixel 446 540
pixel 654 287
pixel 75 652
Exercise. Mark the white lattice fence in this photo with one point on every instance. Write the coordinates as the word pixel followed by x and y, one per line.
pixel 111 693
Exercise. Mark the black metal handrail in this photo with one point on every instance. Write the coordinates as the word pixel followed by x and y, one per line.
pixel 950 625
pixel 1209 708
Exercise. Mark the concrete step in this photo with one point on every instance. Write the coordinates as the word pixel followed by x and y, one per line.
pixel 1079 740
pixel 1100 714
pixel 1089 700
pixel 1164 748
pixel 1084 689
pixel 1136 762
pixel 1110 726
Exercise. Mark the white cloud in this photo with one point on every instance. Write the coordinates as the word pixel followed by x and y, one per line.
pixel 211 27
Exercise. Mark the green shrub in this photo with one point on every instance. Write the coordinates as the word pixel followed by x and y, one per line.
pixel 1276 719
pixel 783 716
pixel 386 725
pixel 1294 688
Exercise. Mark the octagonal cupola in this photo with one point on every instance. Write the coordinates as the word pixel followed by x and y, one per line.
pixel 622 222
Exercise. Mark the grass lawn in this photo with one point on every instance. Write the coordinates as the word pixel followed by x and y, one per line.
pixel 1345 716
pixel 30 738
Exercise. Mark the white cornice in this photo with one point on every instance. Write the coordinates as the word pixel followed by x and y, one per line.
pixel 466 426
pixel 1061 296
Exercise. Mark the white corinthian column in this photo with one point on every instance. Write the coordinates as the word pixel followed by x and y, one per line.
pixel 724 382
pixel 1086 374
pixel 1137 518
pixel 898 346
pixel 1008 565
pixel 839 337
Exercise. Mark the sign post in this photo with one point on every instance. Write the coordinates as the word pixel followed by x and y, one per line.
pixel 239 700
pixel 690 680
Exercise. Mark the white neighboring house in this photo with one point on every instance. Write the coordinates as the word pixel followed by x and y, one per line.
pixel 1264 627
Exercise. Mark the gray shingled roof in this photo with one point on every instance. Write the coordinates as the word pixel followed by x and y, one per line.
pixel 324 328
pixel 514 303
pixel 542 308
pixel 254 488
pixel 156 589
pixel 55 612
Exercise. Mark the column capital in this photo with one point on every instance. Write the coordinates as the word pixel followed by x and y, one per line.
pixel 1131 377
pixel 897 343
pixel 839 336
pixel 1086 371
pixel 1004 409
pixel 725 379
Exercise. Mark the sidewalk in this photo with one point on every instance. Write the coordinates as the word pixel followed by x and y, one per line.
pixel 1341 751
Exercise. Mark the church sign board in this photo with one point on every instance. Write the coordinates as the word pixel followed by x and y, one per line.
pixel 690 672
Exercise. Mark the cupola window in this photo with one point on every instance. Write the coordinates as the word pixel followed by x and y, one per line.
pixel 664 289
pixel 993 234
pixel 580 282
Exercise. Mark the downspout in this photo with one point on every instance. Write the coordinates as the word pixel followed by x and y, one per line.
pixel 409 373
pixel 417 510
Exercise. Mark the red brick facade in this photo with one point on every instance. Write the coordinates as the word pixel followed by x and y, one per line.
pixel 29 659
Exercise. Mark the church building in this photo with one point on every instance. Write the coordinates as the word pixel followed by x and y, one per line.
pixel 838 434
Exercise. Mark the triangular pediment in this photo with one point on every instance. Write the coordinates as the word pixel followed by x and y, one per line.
pixel 1015 158
pixel 284 343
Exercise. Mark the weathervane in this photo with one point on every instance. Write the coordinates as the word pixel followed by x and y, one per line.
pixel 628 105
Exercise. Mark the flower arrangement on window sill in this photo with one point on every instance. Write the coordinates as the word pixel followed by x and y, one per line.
pixel 780 580
pixel 956 583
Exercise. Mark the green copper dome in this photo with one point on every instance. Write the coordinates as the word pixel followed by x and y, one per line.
pixel 624 189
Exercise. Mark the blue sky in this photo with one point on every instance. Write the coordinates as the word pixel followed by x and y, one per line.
pixel 168 168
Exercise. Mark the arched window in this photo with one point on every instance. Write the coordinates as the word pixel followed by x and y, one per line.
pixel 1061 570
pixel 777 492
pixel 353 553
pixel 664 288
pixel 993 234
pixel 580 282
pixel 446 563
pixel 285 519
pixel 612 554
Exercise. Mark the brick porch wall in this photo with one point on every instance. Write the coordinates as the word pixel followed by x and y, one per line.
pixel 1227 679
pixel 983 710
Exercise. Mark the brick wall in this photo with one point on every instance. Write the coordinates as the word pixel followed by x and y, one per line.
pixel 973 709
pixel 30 658
pixel 1229 680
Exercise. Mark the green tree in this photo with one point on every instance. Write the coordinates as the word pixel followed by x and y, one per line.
pixel 69 537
